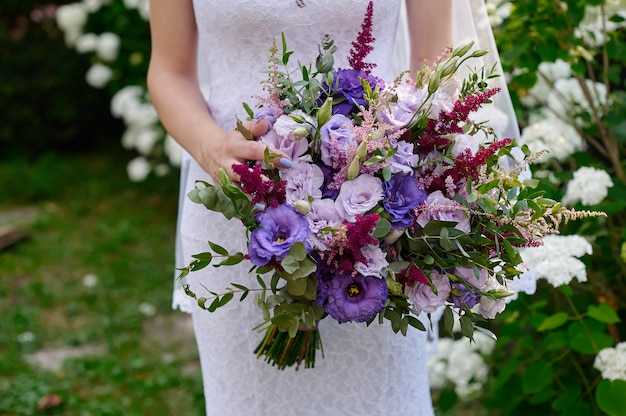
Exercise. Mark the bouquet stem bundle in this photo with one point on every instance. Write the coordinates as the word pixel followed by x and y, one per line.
pixel 281 350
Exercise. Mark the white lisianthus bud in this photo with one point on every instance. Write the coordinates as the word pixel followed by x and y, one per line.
pixel 99 75
pixel 303 207
pixel 87 43
pixel 108 46
pixel 300 132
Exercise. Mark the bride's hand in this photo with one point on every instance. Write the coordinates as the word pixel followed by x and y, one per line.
pixel 226 148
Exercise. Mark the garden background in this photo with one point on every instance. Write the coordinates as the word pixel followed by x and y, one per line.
pixel 88 207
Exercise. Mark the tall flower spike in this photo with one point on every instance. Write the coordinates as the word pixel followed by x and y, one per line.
pixel 362 46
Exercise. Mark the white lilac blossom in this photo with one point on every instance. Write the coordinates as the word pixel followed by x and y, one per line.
pixel 108 46
pixel 460 363
pixel 547 74
pixel 557 260
pixel 591 28
pixel 568 100
pixel 138 169
pixel 125 99
pixel 71 18
pixel 611 362
pixel 173 150
pixel 98 75
pixel 86 43
pixel 145 139
pixel 589 187
pixel 554 135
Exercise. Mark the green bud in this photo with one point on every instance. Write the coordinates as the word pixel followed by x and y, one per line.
pixel 300 132
pixel 394 287
pixel 449 66
pixel 500 293
pixel 378 134
pixel 433 82
pixel 463 49
pixel 324 113
pixel 361 151
pixel 303 207
pixel 353 169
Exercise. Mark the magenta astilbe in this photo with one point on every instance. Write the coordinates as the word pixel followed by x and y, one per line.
pixel 259 187
pixel 467 165
pixel 362 46
pixel 452 122
pixel 346 246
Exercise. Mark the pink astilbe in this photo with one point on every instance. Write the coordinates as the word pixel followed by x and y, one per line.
pixel 348 241
pixel 259 187
pixel 362 46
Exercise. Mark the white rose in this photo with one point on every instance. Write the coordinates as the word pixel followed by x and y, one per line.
pixel 99 75
pixel 108 46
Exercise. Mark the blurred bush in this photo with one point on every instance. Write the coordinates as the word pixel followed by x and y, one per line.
pixel 45 101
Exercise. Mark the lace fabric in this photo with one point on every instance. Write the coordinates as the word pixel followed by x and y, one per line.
pixel 365 370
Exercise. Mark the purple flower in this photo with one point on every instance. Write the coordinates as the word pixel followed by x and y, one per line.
pixel 329 174
pixel 375 259
pixel 304 182
pixel 292 148
pixel 440 208
pixel 461 294
pixel 265 113
pixel 355 298
pixel 409 101
pixel 358 196
pixel 422 296
pixel 323 215
pixel 402 196
pixel 347 90
pixel 403 160
pixel 280 228
pixel 337 137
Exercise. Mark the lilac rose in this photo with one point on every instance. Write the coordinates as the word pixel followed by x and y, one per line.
pixel 403 160
pixel 265 113
pixel 279 229
pixel 422 296
pixel 440 208
pixel 358 196
pixel 409 100
pixel 337 138
pixel 402 196
pixel 347 90
pixel 304 182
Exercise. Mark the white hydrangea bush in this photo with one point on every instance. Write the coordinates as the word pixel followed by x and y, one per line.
pixel 156 151
pixel 611 362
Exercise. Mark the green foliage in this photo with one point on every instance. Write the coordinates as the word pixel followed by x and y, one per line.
pixel 547 343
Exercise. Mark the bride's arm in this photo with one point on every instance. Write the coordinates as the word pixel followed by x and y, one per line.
pixel 430 29
pixel 174 89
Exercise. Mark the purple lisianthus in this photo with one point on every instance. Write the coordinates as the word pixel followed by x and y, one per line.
pixel 347 90
pixel 286 126
pixel 422 296
pixel 304 182
pixel 329 174
pixel 440 208
pixel 323 215
pixel 461 294
pixel 410 99
pixel 467 274
pixel 265 113
pixel 354 298
pixel 403 160
pixel 337 138
pixel 375 262
pixel 358 196
pixel 402 196
pixel 280 228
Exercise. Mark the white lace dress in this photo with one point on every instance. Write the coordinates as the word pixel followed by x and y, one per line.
pixel 366 371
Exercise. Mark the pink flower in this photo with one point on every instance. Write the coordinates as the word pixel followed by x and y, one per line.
pixel 422 296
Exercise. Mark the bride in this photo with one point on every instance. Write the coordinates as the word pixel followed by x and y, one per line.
pixel 224 43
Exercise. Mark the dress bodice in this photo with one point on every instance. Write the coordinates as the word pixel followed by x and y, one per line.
pixel 235 37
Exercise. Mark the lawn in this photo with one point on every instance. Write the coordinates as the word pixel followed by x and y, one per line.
pixel 92 283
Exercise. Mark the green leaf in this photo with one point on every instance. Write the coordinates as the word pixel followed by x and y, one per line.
pixel 231 260
pixel 383 227
pixel 537 376
pixel 207 256
pixel 553 321
pixel 218 249
pixel 603 313
pixel 611 397
pixel 448 321
pixel 590 343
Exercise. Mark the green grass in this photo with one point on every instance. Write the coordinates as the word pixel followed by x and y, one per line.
pixel 86 217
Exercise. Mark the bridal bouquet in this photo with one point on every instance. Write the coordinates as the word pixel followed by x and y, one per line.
pixel 397 203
